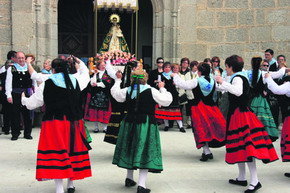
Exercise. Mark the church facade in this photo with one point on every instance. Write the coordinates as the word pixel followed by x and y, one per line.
pixel 189 28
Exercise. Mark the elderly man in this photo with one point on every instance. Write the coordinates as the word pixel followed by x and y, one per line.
pixel 18 81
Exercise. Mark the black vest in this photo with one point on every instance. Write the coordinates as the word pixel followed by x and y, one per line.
pixel 241 102
pixel 198 96
pixel 60 102
pixel 138 111
pixel 21 79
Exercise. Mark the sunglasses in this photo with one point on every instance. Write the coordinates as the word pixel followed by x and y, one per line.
pixel 216 61
pixel 265 65
pixel 160 62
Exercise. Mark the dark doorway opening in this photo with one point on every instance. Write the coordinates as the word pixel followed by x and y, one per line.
pixel 75 27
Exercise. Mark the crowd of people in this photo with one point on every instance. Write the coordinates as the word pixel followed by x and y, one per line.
pixel 231 107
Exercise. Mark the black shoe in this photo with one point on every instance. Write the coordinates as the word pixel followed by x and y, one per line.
pixel 210 156
pixel 129 182
pixel 203 158
pixel 238 182
pixel 287 175
pixel 28 137
pixel 188 127
pixel 6 133
pixel 258 186
pixel 166 128
pixel 140 189
pixel 182 130
pixel 71 190
pixel 14 138
pixel 96 131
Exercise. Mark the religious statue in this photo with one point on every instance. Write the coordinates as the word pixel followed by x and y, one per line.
pixel 114 40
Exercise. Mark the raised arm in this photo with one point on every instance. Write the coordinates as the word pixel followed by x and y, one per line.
pixel 184 84
pixel 118 93
pixel 235 88
pixel 82 74
pixel 35 100
pixel 278 89
pixel 162 96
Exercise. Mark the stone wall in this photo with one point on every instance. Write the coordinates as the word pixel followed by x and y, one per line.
pixel 5 29
pixel 224 27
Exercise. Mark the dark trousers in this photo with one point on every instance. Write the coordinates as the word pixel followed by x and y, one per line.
pixel 7 116
pixel 17 111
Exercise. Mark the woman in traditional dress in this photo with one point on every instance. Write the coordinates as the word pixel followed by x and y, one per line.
pixel 209 125
pixel 259 103
pixel 247 139
pixel 283 89
pixel 138 144
pixel 98 108
pixel 62 149
pixel 171 112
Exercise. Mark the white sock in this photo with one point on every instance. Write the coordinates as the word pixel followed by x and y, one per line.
pixel 206 149
pixel 130 174
pixel 58 186
pixel 253 171
pixel 188 121
pixel 142 177
pixel 96 125
pixel 179 122
pixel 105 126
pixel 70 183
pixel 166 123
pixel 242 171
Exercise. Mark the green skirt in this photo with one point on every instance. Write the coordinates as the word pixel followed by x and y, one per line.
pixel 261 108
pixel 138 147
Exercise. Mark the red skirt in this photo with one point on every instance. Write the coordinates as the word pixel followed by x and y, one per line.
pixel 96 115
pixel 63 151
pixel 285 140
pixel 168 114
pixel 209 125
pixel 248 139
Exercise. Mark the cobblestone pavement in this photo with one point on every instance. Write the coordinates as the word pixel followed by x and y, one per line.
pixel 183 172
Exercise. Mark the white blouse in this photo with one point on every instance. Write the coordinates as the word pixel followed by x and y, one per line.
pixel 236 87
pixel 161 96
pixel 36 100
pixel 283 89
pixel 185 84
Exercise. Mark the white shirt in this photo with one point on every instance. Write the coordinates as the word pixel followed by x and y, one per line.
pixel 283 89
pixel 36 100
pixel 110 70
pixel 235 88
pixel 8 82
pixel 185 84
pixel 162 97
pixel 278 74
pixel 94 79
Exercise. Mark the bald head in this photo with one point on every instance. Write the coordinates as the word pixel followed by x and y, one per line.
pixel 20 58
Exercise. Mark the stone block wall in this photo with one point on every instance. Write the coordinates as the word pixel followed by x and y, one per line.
pixel 224 27
pixel 5 29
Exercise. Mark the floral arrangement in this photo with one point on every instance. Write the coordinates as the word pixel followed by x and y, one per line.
pixel 118 57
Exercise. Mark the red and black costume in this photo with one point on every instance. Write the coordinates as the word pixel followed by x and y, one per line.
pixel 246 135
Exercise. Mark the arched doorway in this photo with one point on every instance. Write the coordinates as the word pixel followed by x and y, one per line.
pixel 76 28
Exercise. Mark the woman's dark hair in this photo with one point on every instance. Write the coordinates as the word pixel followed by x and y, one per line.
pixel 215 58
pixel 207 60
pixel 183 60
pixel 256 62
pixel 193 63
pixel 236 62
pixel 166 64
pixel 204 68
pixel 61 66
